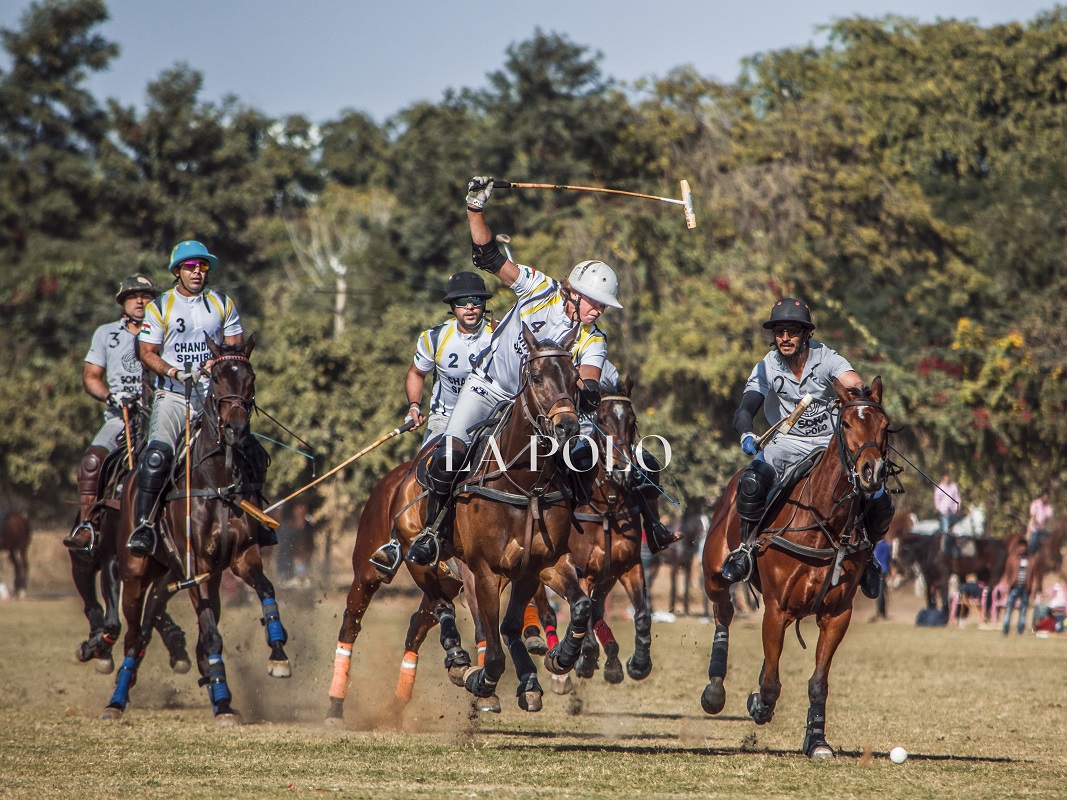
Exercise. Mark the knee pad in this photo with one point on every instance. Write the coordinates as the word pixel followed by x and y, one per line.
pixel 438 475
pixel 89 471
pixel 154 469
pixel 756 481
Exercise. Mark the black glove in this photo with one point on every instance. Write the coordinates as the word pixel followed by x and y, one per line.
pixel 588 395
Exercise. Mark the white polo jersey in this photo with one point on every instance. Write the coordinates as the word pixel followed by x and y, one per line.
pixel 541 307
pixel 179 324
pixel 782 391
pixel 450 354
pixel 112 348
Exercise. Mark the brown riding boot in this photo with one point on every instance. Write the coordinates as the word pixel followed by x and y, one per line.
pixel 83 537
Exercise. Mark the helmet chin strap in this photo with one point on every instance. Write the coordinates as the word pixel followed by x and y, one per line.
pixel 575 300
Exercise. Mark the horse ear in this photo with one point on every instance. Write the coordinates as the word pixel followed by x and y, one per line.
pixel 628 386
pixel 876 389
pixel 571 338
pixel 213 346
pixel 250 345
pixel 842 392
pixel 531 340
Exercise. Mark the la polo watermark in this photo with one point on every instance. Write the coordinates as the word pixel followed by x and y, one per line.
pixel 578 444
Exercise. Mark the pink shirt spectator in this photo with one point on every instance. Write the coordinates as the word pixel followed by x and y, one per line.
pixel 947 498
pixel 1040 514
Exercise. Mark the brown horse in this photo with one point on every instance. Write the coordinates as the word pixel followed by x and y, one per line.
pixel 811 556
pixel 220 535
pixel 439 589
pixel 939 556
pixel 606 542
pixel 678 559
pixel 100 565
pixel 1046 559
pixel 15 538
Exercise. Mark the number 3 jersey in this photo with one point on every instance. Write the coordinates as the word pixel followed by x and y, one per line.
pixel 179 324
pixel 541 307
pixel 450 354
pixel 112 348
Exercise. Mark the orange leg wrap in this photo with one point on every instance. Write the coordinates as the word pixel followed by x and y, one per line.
pixel 406 682
pixel 481 654
pixel 530 618
pixel 341 663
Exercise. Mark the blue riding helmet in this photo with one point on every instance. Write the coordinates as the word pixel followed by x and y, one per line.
pixel 183 251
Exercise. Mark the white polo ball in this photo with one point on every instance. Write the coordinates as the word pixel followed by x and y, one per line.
pixel 898 755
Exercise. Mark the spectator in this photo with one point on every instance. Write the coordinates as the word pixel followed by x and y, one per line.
pixel 1019 577
pixel 1040 516
pixel 947 502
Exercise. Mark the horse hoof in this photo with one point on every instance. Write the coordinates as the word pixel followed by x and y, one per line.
pixel 553 665
pixel 111 712
pixel 760 714
pixel 279 669
pixel 638 671
pixel 530 701
pixel 822 752
pixel 586 667
pixel 227 719
pixel 613 670
pixel 457 672
pixel 536 646
pixel 105 666
pixel 713 698
pixel 562 684
pixel 180 665
pixel 487 705
pixel 476 683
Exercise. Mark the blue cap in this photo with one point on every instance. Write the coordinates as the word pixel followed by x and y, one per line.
pixel 183 251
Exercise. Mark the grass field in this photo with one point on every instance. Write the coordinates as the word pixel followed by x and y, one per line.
pixel 982 716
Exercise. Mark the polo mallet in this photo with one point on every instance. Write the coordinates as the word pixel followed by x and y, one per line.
pixel 686 202
pixel 188 478
pixel 407 426
pixel 129 443
pixel 783 425
pixel 505 240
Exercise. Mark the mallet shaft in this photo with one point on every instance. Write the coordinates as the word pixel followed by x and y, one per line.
pixel 599 189
pixel 783 425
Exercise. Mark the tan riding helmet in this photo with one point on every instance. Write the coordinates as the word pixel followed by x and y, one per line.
pixel 597 281
pixel 134 284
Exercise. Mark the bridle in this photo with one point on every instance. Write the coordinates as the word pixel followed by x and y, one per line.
pixel 215 402
pixel 850 459
pixel 545 420
pixel 625 473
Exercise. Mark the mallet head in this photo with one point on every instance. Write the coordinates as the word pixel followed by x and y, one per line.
pixel 687 204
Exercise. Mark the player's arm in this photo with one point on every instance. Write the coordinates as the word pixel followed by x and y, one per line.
pixel 486 253
pixel 94 383
pixel 151 360
pixel 413 386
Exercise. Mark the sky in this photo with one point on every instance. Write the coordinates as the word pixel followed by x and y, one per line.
pixel 317 57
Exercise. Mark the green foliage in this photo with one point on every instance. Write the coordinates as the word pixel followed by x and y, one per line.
pixel 906 179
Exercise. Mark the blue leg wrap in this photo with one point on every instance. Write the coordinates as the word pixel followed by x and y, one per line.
pixel 272 619
pixel 123 681
pixel 215 680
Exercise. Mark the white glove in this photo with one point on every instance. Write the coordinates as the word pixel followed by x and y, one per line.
pixel 478 191
pixel 185 375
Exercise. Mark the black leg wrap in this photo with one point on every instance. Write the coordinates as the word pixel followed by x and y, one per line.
pixel 528 683
pixel 478 685
pixel 760 713
pixel 719 649
pixel 815 734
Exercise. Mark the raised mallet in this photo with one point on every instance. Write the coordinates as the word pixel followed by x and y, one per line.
pixel 686 202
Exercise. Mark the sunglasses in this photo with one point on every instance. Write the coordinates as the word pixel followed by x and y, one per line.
pixel 477 302
pixel 193 266
pixel 788 330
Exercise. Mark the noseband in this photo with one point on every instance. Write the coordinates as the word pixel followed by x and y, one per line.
pixel 850 459
pixel 544 417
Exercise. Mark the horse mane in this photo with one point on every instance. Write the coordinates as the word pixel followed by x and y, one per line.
pixel 231 349
pixel 860 392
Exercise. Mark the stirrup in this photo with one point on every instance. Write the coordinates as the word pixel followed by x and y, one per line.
pixel 71 539
pixel 425 551
pixel 386 560
pixel 660 537
pixel 737 566
pixel 871 579
pixel 144 541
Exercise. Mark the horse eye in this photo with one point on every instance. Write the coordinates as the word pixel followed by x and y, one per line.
pixel 845 425
pixel 536 379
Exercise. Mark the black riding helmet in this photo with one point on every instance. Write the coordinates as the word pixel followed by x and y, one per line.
pixel 465 284
pixel 790 311
pixel 134 284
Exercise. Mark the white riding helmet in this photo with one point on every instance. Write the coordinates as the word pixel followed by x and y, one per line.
pixel 597 281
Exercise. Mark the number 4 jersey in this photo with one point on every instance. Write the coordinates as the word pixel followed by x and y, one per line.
pixel 179 324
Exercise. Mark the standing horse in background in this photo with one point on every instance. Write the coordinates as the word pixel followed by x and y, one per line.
pixel 679 557
pixel 1046 559
pixel 811 555
pixel 220 535
pixel 940 556
pixel 15 538
pixel 101 563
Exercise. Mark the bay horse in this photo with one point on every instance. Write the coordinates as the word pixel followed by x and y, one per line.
pixel 221 535
pixel 678 558
pixel 15 538
pixel 101 565
pixel 810 558
pixel 605 543
pixel 939 556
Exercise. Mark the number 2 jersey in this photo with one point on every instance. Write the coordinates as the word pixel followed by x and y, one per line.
pixel 179 324
pixel 541 307
pixel 446 351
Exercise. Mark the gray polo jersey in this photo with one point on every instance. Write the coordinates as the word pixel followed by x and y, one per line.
pixel 782 391
pixel 112 348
